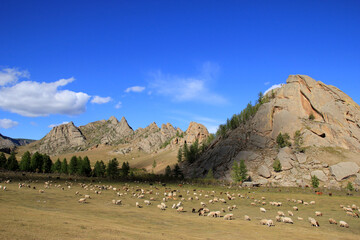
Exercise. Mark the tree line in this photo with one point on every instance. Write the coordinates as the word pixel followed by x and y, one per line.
pixel 42 163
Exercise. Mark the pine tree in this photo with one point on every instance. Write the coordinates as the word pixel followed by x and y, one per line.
pixel 57 166
pixel 12 163
pixel 112 170
pixel 125 169
pixel 85 168
pixel 36 162
pixel 99 169
pixel 47 164
pixel 180 155
pixel 177 171
pixel 167 171
pixel 239 171
pixel 154 165
pixel 64 167
pixel 73 166
pixel 25 163
pixel 314 181
pixel 3 160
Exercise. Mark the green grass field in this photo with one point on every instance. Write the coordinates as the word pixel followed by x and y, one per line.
pixel 56 213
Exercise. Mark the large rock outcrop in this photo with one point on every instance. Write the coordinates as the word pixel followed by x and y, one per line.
pixel 62 138
pixel 328 121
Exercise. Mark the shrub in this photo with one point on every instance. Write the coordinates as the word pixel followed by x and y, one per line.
pixel 298 141
pixel 283 140
pixel 311 117
pixel 239 171
pixel 349 186
pixel 277 165
pixel 315 181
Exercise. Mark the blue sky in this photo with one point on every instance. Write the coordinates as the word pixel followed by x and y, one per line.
pixel 164 61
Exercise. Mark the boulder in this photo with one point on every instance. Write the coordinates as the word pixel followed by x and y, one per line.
pixel 285 158
pixel 301 157
pixel 357 180
pixel 320 175
pixel 343 170
pixel 264 171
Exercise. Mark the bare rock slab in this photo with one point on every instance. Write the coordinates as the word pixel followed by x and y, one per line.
pixel 320 175
pixel 264 171
pixel 343 170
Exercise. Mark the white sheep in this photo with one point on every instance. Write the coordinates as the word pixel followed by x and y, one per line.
pixel 180 209
pixel 332 221
pixel 343 224
pixel 82 200
pixel 263 210
pixel 267 222
pixel 229 216
pixel 281 214
pixel 247 218
pixel 319 214
pixel 313 222
pixel 295 208
pixel 287 220
pixel 290 213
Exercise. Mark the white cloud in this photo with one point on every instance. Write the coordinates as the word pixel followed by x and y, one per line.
pixel 135 89
pixel 33 99
pixel 8 123
pixel 182 89
pixel 266 83
pixel 118 105
pixel 273 87
pixel 57 124
pixel 11 75
pixel 100 100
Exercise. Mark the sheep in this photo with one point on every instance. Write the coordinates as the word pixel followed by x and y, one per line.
pixel 319 214
pixel 267 222
pixel 313 222
pixel 147 202
pixel 332 221
pixel 138 205
pixel 290 213
pixel 161 207
pixel 300 218
pixel 281 214
pixel 87 196
pixel 229 216
pixel 202 204
pixel 116 202
pixel 278 218
pixel 343 224
pixel 263 210
pixel 287 220
pixel 212 214
pixel 82 200
pixel 312 202
pixel 247 218
pixel 41 191
pixel 180 209
pixel 295 208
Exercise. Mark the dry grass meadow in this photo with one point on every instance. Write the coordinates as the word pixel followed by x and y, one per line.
pixel 56 214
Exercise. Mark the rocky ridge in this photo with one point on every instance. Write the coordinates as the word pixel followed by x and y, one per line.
pixel 7 143
pixel 68 138
pixel 332 136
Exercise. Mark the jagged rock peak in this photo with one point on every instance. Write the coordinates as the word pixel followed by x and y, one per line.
pixel 196 131
pixel 114 120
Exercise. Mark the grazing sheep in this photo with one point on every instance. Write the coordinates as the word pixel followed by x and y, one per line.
pixel 147 202
pixel 87 196
pixel 229 216
pixel 180 209
pixel 281 214
pixel 212 214
pixel 312 202
pixel 332 221
pixel 343 224
pixel 202 204
pixel 161 207
pixel 278 218
pixel 290 213
pixel 300 218
pixel 40 191
pixel 287 220
pixel 295 208
pixel 267 222
pixel 319 214
pixel 313 222
pixel 247 218
pixel 263 210
pixel 82 200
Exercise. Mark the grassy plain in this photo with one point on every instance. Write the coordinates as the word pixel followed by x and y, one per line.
pixel 56 213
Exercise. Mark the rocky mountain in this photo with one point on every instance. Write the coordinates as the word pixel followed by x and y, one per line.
pixel 329 125
pixel 7 143
pixel 68 138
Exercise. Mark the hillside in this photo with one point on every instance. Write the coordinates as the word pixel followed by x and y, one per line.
pixel 107 139
pixel 7 143
pixel 329 132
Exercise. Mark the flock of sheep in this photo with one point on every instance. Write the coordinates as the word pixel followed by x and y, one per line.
pixel 201 201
